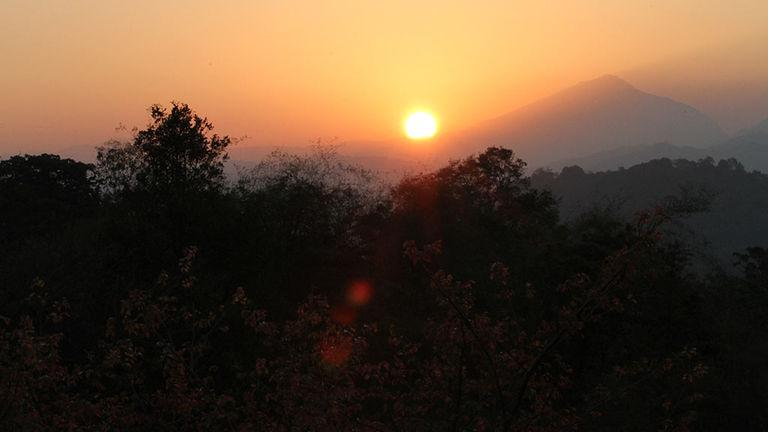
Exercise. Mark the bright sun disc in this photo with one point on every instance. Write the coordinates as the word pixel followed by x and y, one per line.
pixel 420 125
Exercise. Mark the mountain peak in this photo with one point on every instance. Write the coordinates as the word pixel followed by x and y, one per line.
pixel 593 116
pixel 605 86
pixel 607 82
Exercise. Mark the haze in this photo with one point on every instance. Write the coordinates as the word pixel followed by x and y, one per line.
pixel 286 72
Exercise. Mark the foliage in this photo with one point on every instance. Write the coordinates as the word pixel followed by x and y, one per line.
pixel 39 194
pixel 174 155
pixel 306 297
pixel 714 195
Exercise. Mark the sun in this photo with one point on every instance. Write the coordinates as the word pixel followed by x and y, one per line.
pixel 420 125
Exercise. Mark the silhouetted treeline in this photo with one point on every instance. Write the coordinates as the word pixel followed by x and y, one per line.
pixel 146 292
pixel 735 200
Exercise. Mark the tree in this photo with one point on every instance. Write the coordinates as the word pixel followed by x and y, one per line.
pixel 40 193
pixel 484 210
pixel 164 189
pixel 300 211
pixel 176 154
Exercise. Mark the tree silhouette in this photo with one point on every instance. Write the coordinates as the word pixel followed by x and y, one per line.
pixel 175 154
pixel 147 293
pixel 40 193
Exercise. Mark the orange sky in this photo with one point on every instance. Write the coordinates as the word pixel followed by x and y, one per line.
pixel 287 71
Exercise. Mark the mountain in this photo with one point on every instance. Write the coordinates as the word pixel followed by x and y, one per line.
pixel 630 156
pixel 749 147
pixel 758 129
pixel 593 116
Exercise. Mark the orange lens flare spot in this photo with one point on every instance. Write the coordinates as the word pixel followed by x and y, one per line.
pixel 359 293
pixel 335 349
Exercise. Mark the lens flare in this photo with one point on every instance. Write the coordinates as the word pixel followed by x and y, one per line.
pixel 335 349
pixel 359 293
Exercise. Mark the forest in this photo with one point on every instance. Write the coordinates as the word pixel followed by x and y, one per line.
pixel 730 200
pixel 148 291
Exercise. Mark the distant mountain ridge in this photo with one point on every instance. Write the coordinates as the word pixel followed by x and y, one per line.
pixel 625 157
pixel 594 116
pixel 760 128
pixel 749 147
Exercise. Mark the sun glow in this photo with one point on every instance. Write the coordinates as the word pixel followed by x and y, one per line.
pixel 420 125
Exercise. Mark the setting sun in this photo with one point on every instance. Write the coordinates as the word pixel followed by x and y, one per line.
pixel 393 215
pixel 420 125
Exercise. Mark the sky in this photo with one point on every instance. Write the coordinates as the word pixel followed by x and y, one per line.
pixel 289 71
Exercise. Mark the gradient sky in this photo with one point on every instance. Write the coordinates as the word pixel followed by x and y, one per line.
pixel 287 71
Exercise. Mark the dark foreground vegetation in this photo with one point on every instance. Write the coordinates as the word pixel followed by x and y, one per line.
pixel 147 293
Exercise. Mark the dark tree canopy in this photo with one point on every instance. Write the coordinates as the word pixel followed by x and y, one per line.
pixel 39 193
pixel 147 293
pixel 175 154
pixel 727 203
pixel 482 208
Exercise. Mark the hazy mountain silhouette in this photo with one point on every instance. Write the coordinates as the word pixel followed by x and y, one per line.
pixel 598 115
pixel 750 147
pixel 629 156
pixel 760 128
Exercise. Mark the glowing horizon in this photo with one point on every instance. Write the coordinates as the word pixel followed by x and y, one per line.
pixel 290 71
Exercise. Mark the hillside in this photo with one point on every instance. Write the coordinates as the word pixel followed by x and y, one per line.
pixel 749 147
pixel 735 220
pixel 598 115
